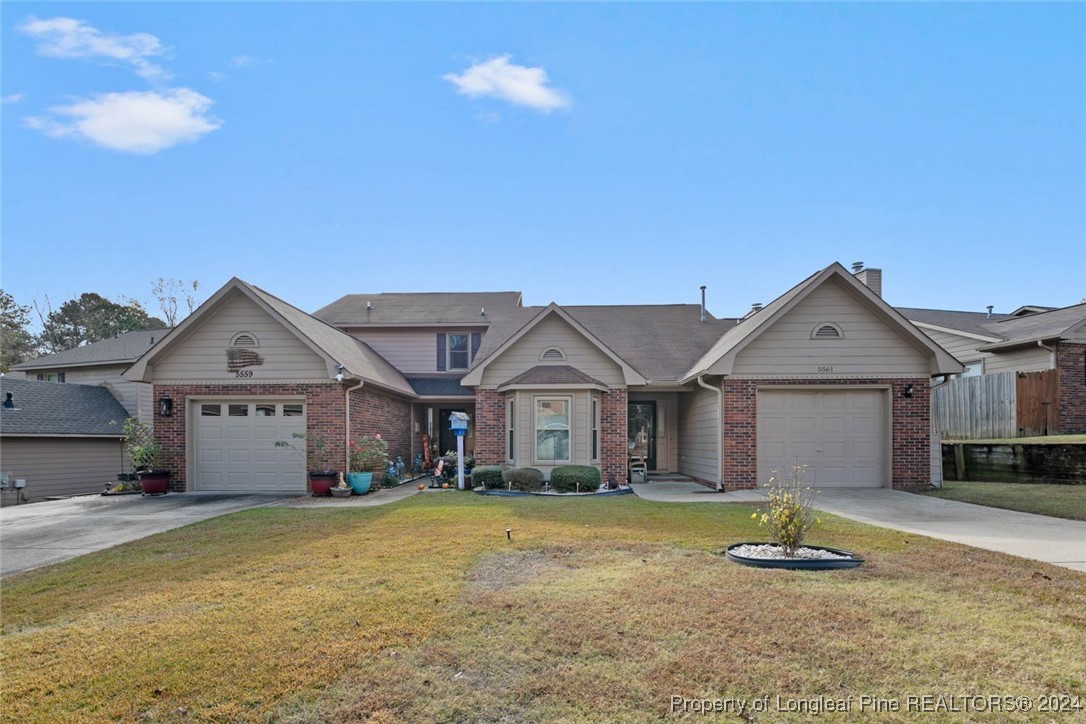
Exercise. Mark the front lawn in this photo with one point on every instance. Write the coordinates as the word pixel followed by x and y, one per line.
pixel 598 609
pixel 1059 501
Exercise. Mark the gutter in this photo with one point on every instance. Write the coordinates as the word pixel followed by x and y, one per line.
pixel 719 432
pixel 1051 350
pixel 347 415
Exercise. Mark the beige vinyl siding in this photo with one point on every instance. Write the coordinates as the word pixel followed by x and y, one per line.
pixel 964 348
pixel 1028 359
pixel 869 346
pixel 699 444
pixel 201 355
pixel 667 427
pixel 60 466
pixel 128 393
pixel 411 351
pixel 553 332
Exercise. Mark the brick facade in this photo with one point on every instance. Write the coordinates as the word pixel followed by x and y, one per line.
pixel 375 412
pixel 910 442
pixel 489 427
pixel 1071 362
pixel 614 447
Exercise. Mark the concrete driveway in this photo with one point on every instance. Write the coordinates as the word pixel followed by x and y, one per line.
pixel 42 533
pixel 1039 537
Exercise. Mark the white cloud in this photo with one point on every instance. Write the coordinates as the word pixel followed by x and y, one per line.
pixel 241 61
pixel 216 76
pixel 516 84
pixel 70 38
pixel 11 98
pixel 133 122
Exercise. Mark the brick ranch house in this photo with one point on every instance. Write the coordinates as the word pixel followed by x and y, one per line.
pixel 828 373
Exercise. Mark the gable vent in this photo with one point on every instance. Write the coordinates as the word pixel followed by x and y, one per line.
pixel 827 331
pixel 552 354
pixel 244 339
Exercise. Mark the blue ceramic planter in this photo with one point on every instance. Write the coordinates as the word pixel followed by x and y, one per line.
pixel 360 482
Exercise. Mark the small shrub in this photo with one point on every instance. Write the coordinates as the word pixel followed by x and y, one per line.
pixel 789 515
pixel 487 476
pixel 575 479
pixel 527 480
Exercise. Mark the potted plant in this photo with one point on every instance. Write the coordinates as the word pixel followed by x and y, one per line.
pixel 145 455
pixel 369 455
pixel 323 478
pixel 342 490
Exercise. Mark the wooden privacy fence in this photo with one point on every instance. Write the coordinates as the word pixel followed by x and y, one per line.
pixel 1001 405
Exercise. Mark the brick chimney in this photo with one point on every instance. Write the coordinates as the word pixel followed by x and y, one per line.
pixel 871 278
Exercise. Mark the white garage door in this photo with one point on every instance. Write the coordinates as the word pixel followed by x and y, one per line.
pixel 235 446
pixel 840 435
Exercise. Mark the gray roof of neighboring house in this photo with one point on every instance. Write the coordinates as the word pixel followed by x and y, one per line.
pixel 439 387
pixel 1006 328
pixel 660 341
pixel 127 347
pixel 396 308
pixel 57 408
pixel 553 375
pixel 357 357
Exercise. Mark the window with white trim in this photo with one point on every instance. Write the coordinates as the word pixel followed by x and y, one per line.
pixel 511 428
pixel 553 429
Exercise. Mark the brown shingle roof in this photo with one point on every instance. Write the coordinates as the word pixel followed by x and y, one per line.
pixel 553 375
pixel 418 308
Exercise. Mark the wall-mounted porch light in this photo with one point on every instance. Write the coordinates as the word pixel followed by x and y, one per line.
pixel 165 407
pixel 907 392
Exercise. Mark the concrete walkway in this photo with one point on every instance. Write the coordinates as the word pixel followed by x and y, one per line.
pixel 52 531
pixel 1038 537
pixel 692 493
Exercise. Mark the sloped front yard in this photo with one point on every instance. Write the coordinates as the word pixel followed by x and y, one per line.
pixel 597 609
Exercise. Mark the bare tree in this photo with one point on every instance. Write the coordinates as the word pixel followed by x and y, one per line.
pixel 172 294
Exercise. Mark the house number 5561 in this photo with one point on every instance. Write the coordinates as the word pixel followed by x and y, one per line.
pixel 825 369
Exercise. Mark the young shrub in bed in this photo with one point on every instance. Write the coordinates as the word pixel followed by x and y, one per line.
pixel 575 479
pixel 526 480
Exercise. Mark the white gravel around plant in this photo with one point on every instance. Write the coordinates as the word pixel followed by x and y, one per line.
pixel 777 552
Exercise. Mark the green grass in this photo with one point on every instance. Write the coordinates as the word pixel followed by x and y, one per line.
pixel 596 610
pixel 1044 440
pixel 1059 501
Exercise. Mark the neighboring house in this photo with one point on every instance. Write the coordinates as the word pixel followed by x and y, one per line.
pixel 100 363
pixel 1030 339
pixel 62 439
pixel 828 374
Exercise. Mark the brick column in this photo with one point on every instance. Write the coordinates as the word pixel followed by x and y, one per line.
pixel 1071 362
pixel 911 440
pixel 614 447
pixel 739 435
pixel 489 427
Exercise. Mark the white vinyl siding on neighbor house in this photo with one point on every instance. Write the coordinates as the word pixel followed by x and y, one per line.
pixel 553 331
pixel 61 465
pixel 869 346
pixel 699 445
pixel 201 354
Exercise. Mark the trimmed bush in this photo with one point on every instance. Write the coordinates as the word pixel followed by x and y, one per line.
pixel 527 480
pixel 487 476
pixel 567 478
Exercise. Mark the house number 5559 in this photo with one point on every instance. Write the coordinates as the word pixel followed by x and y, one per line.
pixel 825 369
pixel 243 373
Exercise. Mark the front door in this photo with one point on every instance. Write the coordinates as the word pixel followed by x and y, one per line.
pixel 446 437
pixel 641 431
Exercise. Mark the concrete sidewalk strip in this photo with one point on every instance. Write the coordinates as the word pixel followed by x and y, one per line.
pixel 661 492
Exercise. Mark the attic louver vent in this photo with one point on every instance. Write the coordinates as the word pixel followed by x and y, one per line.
pixel 552 354
pixel 827 331
pixel 244 339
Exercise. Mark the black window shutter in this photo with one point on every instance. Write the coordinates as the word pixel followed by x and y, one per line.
pixel 441 352
pixel 476 338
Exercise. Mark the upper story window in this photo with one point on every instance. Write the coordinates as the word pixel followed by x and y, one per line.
pixel 456 350
pixel 51 376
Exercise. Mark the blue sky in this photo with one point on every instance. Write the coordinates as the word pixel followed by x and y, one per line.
pixel 585 154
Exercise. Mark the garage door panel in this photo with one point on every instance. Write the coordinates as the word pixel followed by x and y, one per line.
pixel 238 453
pixel 839 435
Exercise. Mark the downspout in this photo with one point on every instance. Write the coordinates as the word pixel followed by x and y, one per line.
pixel 347 420
pixel 719 432
pixel 1051 350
